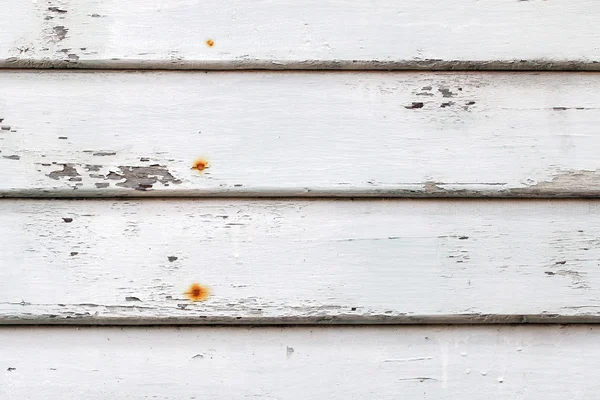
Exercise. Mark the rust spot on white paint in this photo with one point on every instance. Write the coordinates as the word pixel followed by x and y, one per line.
pixel 200 164
pixel 210 43
pixel 197 292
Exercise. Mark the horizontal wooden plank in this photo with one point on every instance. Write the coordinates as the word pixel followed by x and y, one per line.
pixel 508 362
pixel 277 34
pixel 78 134
pixel 299 262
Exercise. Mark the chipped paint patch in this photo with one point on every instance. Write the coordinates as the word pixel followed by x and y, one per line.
pixel 44 50
pixel 92 167
pixel 143 178
pixel 59 33
pixel 68 171
pixel 565 183
pixel 57 10
pixel 415 105
pixel 442 91
pixel 432 187
pixel 131 177
pixel 446 92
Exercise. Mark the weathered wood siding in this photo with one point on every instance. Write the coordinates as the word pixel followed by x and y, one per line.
pixel 431 363
pixel 276 261
pixel 399 134
pixel 330 209
pixel 275 34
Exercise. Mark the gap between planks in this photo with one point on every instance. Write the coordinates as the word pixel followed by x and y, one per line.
pixel 347 321
pixel 306 65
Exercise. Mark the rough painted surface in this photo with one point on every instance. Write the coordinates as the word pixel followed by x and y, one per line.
pixel 299 134
pixel 431 363
pixel 291 261
pixel 308 34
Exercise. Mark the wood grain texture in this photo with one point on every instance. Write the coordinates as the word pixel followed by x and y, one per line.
pixel 299 262
pixel 79 134
pixel 275 34
pixel 431 363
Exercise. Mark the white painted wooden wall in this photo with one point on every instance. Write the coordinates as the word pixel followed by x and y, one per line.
pixel 415 362
pixel 313 34
pixel 377 199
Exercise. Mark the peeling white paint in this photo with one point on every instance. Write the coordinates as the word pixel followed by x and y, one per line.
pixel 279 34
pixel 83 134
pixel 292 261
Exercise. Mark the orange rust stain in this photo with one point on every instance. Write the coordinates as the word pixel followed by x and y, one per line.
pixel 200 164
pixel 210 43
pixel 197 292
